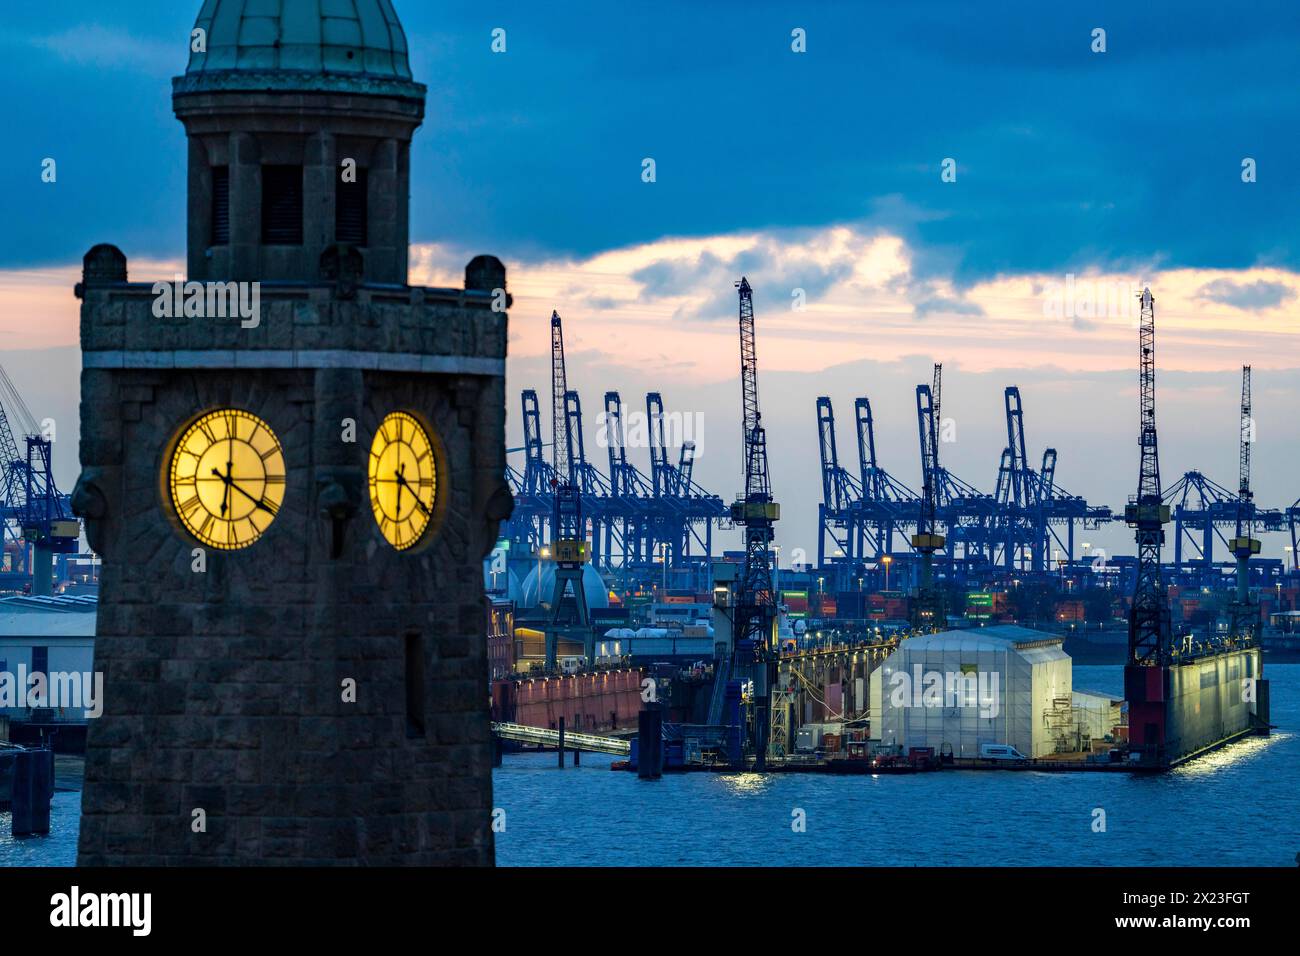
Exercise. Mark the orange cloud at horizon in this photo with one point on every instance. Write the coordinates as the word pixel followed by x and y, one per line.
pixel 669 305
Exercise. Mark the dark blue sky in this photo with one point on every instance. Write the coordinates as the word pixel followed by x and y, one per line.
pixel 1066 158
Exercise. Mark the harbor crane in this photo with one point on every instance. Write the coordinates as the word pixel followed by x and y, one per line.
pixel 1149 632
pixel 887 505
pixel 841 493
pixel 630 489
pixel 1245 617
pixel 860 515
pixel 756 511
pixel 753 656
pixel 568 530
pixel 32 511
pixel 927 540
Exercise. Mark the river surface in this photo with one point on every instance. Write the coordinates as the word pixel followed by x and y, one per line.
pixel 1239 806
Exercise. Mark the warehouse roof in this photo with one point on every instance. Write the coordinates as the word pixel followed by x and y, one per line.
pixel 47 617
pixel 1035 645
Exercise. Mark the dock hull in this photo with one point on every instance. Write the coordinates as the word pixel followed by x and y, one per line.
pixel 1184 709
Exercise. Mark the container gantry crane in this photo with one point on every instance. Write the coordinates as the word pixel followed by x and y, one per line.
pixel 532 486
pixel 966 514
pixel 1032 507
pixel 888 507
pixel 33 512
pixel 837 515
pixel 593 487
pixel 629 488
pixel 680 507
pixel 928 610
pixel 1015 531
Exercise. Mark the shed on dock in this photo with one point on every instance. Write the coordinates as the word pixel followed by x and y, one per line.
pixel 963 689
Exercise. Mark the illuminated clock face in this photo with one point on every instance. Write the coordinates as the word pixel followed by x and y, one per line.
pixel 226 478
pixel 403 479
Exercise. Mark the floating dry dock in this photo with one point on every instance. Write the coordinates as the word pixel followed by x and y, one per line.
pixel 1196 704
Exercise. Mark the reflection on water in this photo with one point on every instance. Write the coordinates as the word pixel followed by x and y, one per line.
pixel 59 848
pixel 1243 751
pixel 744 783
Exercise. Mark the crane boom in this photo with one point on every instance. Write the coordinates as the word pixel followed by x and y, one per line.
pixel 534 461
pixel 1244 516
pixel 1020 492
pixel 614 441
pixel 868 470
pixel 559 418
pixel 660 478
pixel 576 452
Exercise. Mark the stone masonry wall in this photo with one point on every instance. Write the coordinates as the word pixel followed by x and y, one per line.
pixel 224 687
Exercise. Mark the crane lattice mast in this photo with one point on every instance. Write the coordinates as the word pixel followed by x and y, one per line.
pixel 1245 616
pixel 755 604
pixel 1246 434
pixel 569 544
pixel 1149 622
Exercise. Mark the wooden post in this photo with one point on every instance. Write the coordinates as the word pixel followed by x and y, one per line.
pixel 559 751
pixel 24 794
pixel 650 744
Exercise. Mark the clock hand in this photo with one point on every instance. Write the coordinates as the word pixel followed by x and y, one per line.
pixel 231 483
pixel 230 461
pixel 257 502
pixel 225 495
pixel 230 450
pixel 403 483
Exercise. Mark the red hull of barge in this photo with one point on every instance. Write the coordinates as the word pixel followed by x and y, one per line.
pixel 597 701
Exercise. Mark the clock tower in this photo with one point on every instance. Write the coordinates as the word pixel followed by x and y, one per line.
pixel 292 467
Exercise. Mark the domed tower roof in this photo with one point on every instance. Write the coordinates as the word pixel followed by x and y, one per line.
pixel 355 46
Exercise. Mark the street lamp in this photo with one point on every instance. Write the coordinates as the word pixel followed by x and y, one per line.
pixel 886 561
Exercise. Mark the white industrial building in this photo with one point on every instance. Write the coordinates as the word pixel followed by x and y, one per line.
pixel 50 635
pixel 959 690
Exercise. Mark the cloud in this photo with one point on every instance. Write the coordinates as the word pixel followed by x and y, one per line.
pixel 91 44
pixel 943 305
pixel 1247 295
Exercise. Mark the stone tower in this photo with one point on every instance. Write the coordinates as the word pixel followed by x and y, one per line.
pixel 296 688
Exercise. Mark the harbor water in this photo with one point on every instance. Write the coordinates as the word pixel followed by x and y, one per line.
pixel 1238 806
